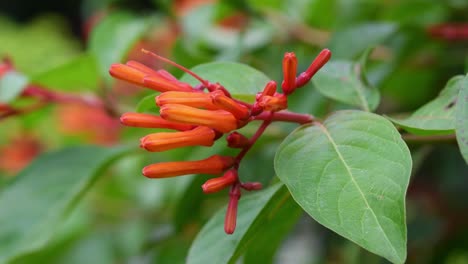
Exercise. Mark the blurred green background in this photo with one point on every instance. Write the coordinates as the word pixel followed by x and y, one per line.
pixel 67 47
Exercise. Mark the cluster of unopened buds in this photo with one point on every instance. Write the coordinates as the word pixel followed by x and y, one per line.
pixel 203 113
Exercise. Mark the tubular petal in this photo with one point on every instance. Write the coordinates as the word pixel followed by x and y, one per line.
pixel 127 73
pixel 151 121
pixel 217 119
pixel 193 99
pixel 141 67
pixel 215 164
pixel 199 136
pixel 162 84
pixel 237 110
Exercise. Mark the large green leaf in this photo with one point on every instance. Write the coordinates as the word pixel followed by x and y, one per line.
pixel 113 37
pixel 346 82
pixel 38 200
pixel 11 86
pixel 212 245
pixel 461 118
pixel 80 73
pixel 265 245
pixel 242 81
pixel 351 174
pixel 436 117
pixel 352 41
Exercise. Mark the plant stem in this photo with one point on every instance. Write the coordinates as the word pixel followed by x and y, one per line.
pixel 253 139
pixel 286 116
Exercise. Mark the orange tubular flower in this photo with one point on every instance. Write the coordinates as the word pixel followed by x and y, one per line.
pixel 162 84
pixel 193 99
pixel 237 110
pixel 219 120
pixel 199 136
pixel 151 121
pixel 219 183
pixel 215 164
pixel 289 72
pixel 127 73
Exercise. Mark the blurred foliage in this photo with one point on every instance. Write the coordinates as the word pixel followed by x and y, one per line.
pixel 112 214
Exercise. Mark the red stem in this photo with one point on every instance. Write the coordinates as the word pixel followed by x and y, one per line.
pixel 253 139
pixel 286 116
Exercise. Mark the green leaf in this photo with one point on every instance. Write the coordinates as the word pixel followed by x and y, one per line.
pixel 148 105
pixel 37 201
pixel 350 42
pixel 11 86
pixel 351 174
pixel 242 81
pixel 461 118
pixel 212 245
pixel 346 82
pixel 78 74
pixel 436 117
pixel 113 38
pixel 270 237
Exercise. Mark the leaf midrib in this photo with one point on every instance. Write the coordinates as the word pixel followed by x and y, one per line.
pixel 335 147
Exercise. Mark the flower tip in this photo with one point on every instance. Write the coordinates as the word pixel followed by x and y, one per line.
pixel 289 72
pixel 126 73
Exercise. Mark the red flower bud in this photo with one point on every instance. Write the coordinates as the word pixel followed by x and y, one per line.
pixel 151 121
pixel 218 119
pixel 270 89
pixel 219 183
pixel 315 66
pixel 215 164
pixel 199 136
pixel 274 103
pixel 289 72
pixel 237 140
pixel 193 99
pixel 231 213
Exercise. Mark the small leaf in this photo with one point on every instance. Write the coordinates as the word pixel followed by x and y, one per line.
pixel 11 86
pixel 436 117
pixel 148 105
pixel 350 42
pixel 345 81
pixel 212 245
pixel 78 74
pixel 37 201
pixel 461 118
pixel 351 174
pixel 113 37
pixel 242 81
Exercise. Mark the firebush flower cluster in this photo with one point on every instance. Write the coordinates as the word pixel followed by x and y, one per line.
pixel 202 114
